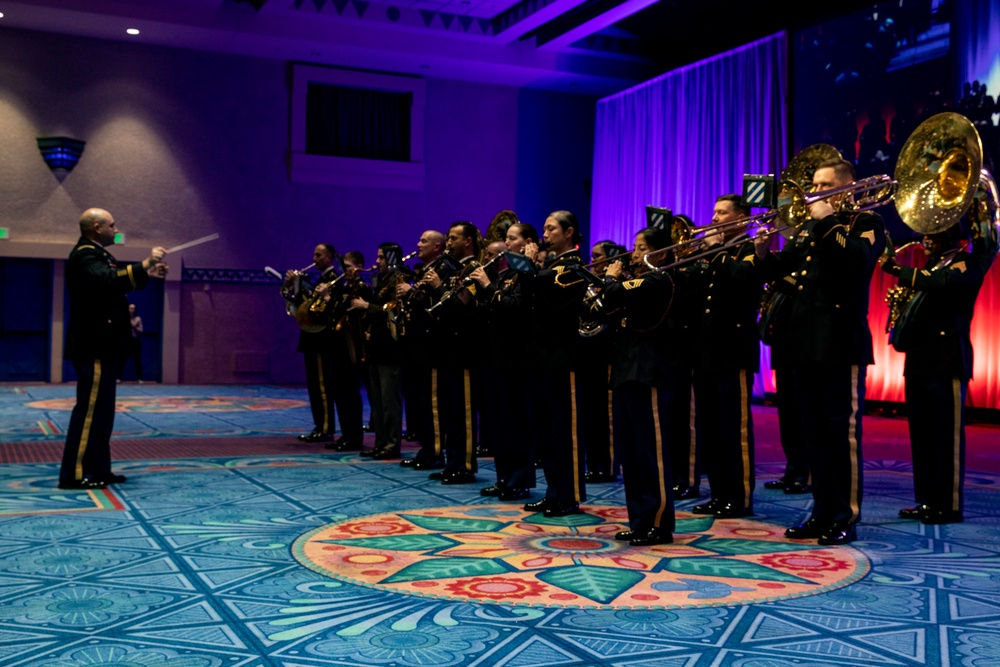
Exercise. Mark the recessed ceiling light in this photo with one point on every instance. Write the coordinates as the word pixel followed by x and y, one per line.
pixel 133 31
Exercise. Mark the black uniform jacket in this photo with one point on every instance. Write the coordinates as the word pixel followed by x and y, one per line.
pixel 723 292
pixel 382 348
pixel 318 341
pixel 508 319
pixel 556 296
pixel 936 335
pixel 828 319
pixel 460 326
pixel 99 324
pixel 638 354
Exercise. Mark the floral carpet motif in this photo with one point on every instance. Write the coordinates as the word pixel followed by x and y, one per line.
pixel 181 404
pixel 502 555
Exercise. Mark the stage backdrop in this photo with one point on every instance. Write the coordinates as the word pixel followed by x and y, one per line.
pixel 682 139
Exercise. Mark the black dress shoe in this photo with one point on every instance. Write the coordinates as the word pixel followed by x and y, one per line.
pixel 731 511
pixel 345 445
pixel 514 493
pixel 839 533
pixel 408 463
pixel 809 530
pixel 556 511
pixel 112 478
pixel 493 491
pixel 385 454
pixel 794 488
pixel 775 484
pixel 654 536
pixel 538 506
pixel 439 475
pixel 626 535
pixel 916 513
pixel 686 492
pixel 428 464
pixel 458 477
pixel 84 483
pixel 707 508
pixel 366 453
pixel 598 477
pixel 937 517
pixel 316 436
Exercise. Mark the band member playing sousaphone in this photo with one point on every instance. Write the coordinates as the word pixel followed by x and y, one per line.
pixel 382 353
pixel 830 344
pixel 510 397
pixel 557 292
pixel 414 330
pixel 458 325
pixel 639 378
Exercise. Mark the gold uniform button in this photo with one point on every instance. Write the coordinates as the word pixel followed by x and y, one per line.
pixel 812 244
pixel 708 298
pixel 804 272
pixel 942 333
pixel 800 288
pixel 708 310
pixel 809 258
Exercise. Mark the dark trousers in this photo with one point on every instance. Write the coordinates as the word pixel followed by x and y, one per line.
pixel 87 453
pixel 386 402
pixel 558 446
pixel 725 424
pixel 456 419
pixel 319 382
pixel 791 428
pixel 682 439
pixel 135 354
pixel 833 400
pixel 593 405
pixel 514 429
pixel 332 381
pixel 936 413
pixel 420 394
pixel 644 457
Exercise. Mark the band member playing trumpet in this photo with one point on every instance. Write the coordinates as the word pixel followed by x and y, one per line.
pixel 725 286
pixel 830 345
pixel 639 376
pixel 457 323
pixel 557 292
pixel 382 354
pixel 96 338
pixel 508 326
pixel 419 379
pixel 938 368
pixel 317 350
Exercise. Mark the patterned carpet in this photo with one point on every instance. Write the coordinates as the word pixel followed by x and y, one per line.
pixel 326 559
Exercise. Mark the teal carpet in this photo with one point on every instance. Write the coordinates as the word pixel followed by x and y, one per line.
pixel 327 559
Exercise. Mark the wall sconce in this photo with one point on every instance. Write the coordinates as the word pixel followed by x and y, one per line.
pixel 60 153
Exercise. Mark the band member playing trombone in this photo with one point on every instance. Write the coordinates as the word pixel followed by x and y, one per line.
pixel 557 292
pixel 938 367
pixel 830 344
pixel 639 377
pixel 724 285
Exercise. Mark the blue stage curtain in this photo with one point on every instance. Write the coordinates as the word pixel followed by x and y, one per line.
pixel 684 138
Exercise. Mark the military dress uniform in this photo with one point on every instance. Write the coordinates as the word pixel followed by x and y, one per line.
pixel 507 389
pixel 420 378
pixel 556 294
pixel 640 378
pixel 383 359
pixel 830 345
pixel 458 331
pixel 593 404
pixel 938 367
pixel 96 339
pixel 725 289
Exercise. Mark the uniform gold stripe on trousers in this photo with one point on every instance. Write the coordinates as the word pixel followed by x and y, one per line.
pixel 852 437
pixel 89 420
pixel 660 468
pixel 469 445
pixel 327 426
pixel 956 443
pixel 437 414
pixel 745 438
pixel 577 495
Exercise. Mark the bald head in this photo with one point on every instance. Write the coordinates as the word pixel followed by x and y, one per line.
pixel 430 245
pixel 96 224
